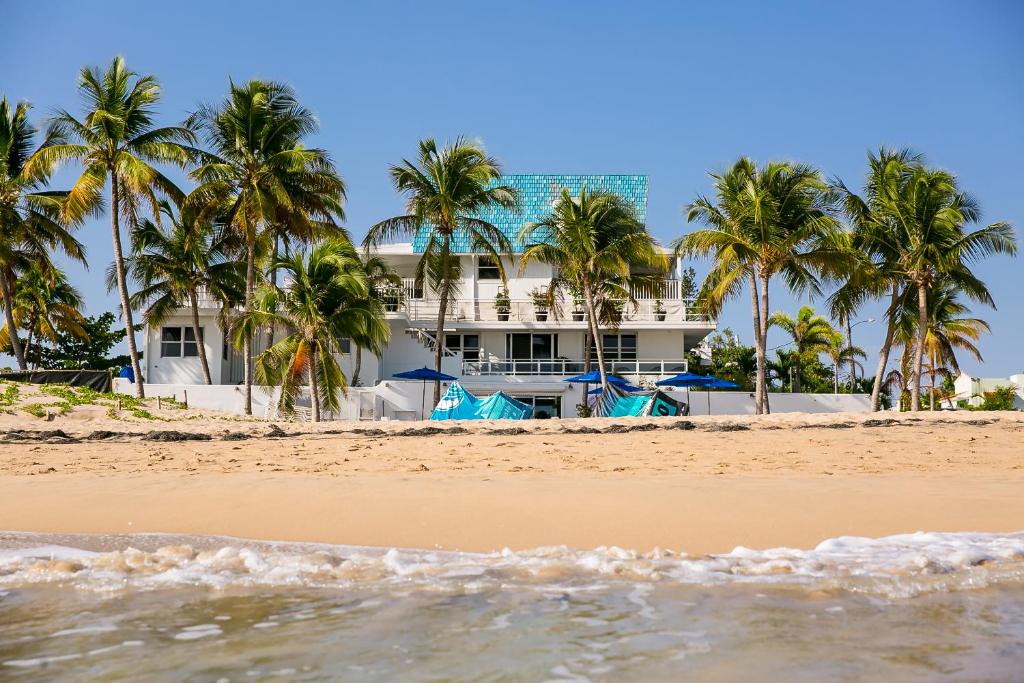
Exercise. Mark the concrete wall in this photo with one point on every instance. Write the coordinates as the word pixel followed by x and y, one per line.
pixel 742 403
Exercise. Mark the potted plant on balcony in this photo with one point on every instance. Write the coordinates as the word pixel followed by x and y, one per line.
pixel 578 305
pixel 541 304
pixel 659 310
pixel 502 304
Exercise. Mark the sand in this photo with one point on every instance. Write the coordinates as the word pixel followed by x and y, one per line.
pixel 780 480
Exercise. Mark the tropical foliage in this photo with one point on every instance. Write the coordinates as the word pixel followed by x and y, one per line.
pixel 45 305
pixel 445 188
pixel 326 299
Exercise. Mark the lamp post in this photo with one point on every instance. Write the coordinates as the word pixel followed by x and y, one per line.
pixel 849 344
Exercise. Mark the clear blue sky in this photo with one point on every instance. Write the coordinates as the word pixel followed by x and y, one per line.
pixel 666 89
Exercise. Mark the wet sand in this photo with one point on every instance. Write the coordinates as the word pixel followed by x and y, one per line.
pixel 701 485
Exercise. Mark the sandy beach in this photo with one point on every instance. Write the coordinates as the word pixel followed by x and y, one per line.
pixel 699 485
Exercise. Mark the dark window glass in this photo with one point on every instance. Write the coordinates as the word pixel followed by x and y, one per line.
pixel 543 347
pixel 519 346
pixel 170 342
pixel 191 348
pixel 345 345
pixel 453 341
pixel 487 269
pixel 627 347
pixel 471 347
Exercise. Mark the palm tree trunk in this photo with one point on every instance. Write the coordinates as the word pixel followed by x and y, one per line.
pixel 250 283
pixel 28 341
pixel 314 390
pixel 439 338
pixel 357 365
pixel 883 353
pixel 835 378
pixel 766 408
pixel 853 360
pixel 931 390
pixel 592 317
pixel 273 281
pixel 122 285
pixel 922 324
pixel 197 332
pixel 755 310
pixel 12 329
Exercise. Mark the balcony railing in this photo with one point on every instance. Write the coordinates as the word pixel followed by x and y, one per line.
pixel 567 367
pixel 525 310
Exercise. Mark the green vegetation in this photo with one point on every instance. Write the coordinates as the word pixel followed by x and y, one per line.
pixel 71 351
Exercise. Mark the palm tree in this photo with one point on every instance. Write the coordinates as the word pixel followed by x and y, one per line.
pixel 949 330
pixel 840 351
pixel 592 243
pixel 811 334
pixel 914 218
pixel 764 222
pixel 263 179
pixel 382 281
pixel 326 299
pixel 173 261
pixel 117 139
pixel 445 190
pixel 30 225
pixel 45 304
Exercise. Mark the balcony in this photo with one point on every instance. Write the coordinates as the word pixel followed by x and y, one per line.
pixel 566 367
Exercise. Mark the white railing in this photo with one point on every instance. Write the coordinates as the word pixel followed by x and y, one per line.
pixel 525 310
pixel 564 366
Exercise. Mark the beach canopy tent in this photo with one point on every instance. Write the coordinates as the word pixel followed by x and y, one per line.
pixel 424 375
pixel 459 404
pixel 689 379
pixel 630 406
pixel 662 405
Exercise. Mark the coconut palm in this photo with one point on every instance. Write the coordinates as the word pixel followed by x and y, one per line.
pixel 446 188
pixel 593 243
pixel 30 224
pixel 840 351
pixel 811 334
pixel 175 260
pixel 765 222
pixel 45 304
pixel 913 220
pixel 263 179
pixel 949 330
pixel 325 300
pixel 116 139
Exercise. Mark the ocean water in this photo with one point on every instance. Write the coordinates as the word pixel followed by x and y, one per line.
pixel 918 607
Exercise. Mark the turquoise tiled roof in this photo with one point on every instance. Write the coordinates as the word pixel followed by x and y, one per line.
pixel 537 192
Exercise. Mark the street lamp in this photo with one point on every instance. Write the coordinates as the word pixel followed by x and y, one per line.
pixel 853 361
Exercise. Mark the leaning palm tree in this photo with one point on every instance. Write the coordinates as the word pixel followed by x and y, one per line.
pixel 593 243
pixel 810 334
pixel 765 222
pixel 30 225
pixel 117 140
pixel 45 305
pixel 916 219
pixel 175 260
pixel 325 300
pixel 263 179
pixel 840 351
pixel 446 188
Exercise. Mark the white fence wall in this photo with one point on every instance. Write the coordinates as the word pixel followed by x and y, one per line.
pixel 742 403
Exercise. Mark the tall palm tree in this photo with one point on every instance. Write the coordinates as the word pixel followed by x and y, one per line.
pixel 30 224
pixel 840 351
pixel 914 220
pixel 811 334
pixel 176 259
pixel 381 281
pixel 325 300
pixel 45 304
pixel 593 242
pixel 765 222
pixel 117 139
pixel 948 331
pixel 445 189
pixel 259 174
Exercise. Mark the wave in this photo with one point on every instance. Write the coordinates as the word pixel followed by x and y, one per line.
pixel 894 566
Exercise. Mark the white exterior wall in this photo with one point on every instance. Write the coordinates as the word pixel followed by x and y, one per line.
pixel 182 370
pixel 973 389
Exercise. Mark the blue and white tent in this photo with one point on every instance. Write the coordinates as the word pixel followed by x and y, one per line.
pixel 456 404
pixel 501 406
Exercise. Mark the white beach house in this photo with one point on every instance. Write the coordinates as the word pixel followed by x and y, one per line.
pixel 973 389
pixel 522 349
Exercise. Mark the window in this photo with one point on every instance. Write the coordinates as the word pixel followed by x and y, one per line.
pixel 469 344
pixel 616 347
pixel 345 345
pixel 487 269
pixel 176 342
pixel 531 346
pixel 544 407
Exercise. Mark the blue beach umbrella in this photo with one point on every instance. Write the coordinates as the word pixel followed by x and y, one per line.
pixel 686 379
pixel 621 384
pixel 594 377
pixel 424 375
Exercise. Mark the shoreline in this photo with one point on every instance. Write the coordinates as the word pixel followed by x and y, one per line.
pixel 787 480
